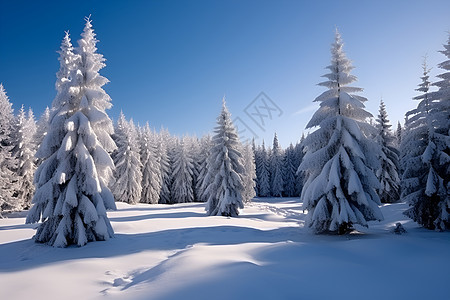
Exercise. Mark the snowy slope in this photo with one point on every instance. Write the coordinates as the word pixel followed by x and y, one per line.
pixel 176 251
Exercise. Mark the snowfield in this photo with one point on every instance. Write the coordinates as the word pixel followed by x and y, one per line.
pixel 177 252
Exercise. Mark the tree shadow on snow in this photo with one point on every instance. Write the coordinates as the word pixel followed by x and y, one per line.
pixel 26 254
pixel 151 207
pixel 157 216
pixel 19 226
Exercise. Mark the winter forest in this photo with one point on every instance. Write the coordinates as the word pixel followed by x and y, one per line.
pixel 343 170
pixel 70 168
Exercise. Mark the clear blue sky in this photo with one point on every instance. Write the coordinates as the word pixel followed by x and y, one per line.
pixel 171 62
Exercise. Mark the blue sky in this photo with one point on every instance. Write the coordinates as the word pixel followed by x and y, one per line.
pixel 171 62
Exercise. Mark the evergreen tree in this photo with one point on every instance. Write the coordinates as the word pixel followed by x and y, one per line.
pixel 205 145
pixel 276 169
pixel 194 150
pixel 41 130
pixel 23 151
pixel 128 174
pixel 8 179
pixel 289 170
pixel 182 180
pixel 388 173
pixel 340 187
pixel 151 173
pixel 299 154
pixel 249 178
pixel 165 163
pixel 224 181
pixel 72 192
pixel 425 160
pixel 398 134
pixel 264 173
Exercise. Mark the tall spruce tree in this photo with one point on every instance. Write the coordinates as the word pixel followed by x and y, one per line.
pixel 340 187
pixel 276 169
pixel 256 155
pixel 289 171
pixel 194 150
pixel 299 176
pixel 387 174
pixel 8 179
pixel 249 178
pixel 163 146
pixel 127 186
pixel 224 181
pixel 426 153
pixel 182 174
pixel 24 151
pixel 205 145
pixel 398 134
pixel 264 172
pixel 151 173
pixel 72 192
pixel 41 130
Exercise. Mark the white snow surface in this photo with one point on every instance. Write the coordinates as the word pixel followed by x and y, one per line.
pixel 177 252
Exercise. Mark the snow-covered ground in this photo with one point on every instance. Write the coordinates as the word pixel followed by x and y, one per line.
pixel 177 252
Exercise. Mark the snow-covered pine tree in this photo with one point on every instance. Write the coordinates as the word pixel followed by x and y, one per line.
pixel 249 178
pixel 276 169
pixel 414 141
pixel 72 192
pixel 205 149
pixel 398 134
pixel 264 172
pixel 23 151
pixel 151 174
pixel 299 154
pixel 8 179
pixel 289 170
pixel 223 183
pixel 41 130
pixel 340 187
pixel 388 173
pixel 426 153
pixel 127 186
pixel 193 147
pixel 165 163
pixel 182 180
pixel 256 152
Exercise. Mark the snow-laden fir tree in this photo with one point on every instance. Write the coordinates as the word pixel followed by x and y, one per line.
pixel 263 173
pixel 387 174
pixel 127 186
pixel 205 149
pixel 289 170
pixel 415 134
pixel 256 154
pixel 398 134
pixel 182 172
pixel 151 174
pixel 24 151
pixel 340 187
pixel 8 179
pixel 223 183
pixel 299 154
pixel 41 130
pixel 163 146
pixel 42 126
pixel 426 152
pixel 72 193
pixel 276 169
pixel 249 178
pixel 194 149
